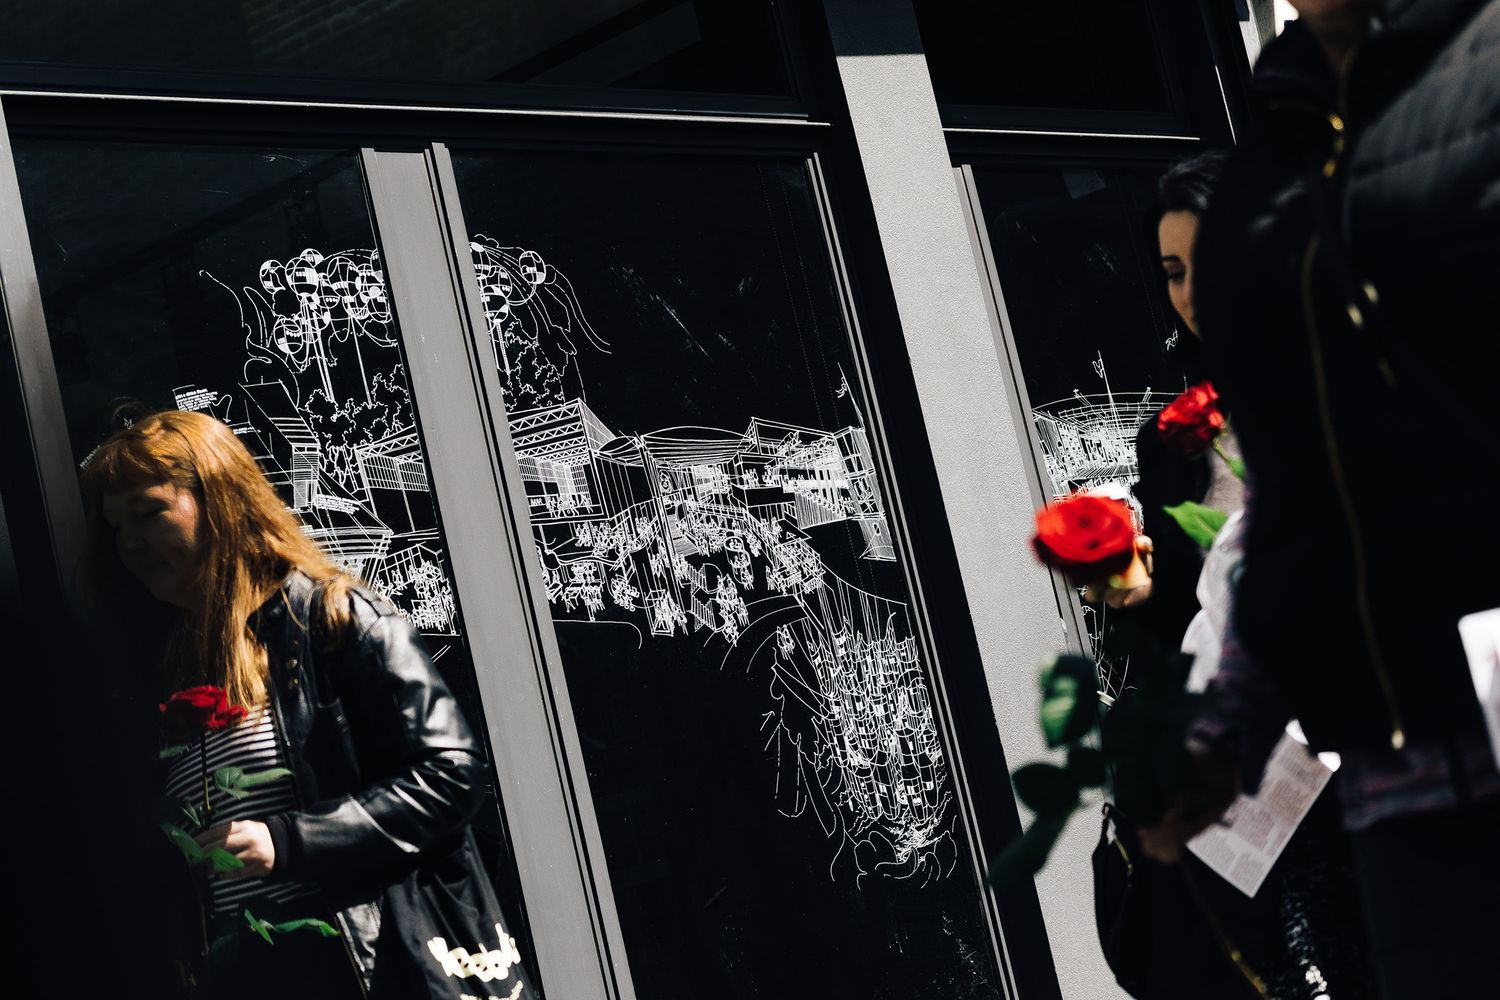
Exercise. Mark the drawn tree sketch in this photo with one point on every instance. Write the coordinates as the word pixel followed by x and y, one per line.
pixel 324 406
pixel 677 531
pixel 532 315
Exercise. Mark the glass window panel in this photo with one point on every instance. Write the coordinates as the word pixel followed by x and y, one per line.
pixel 1074 54
pixel 672 45
pixel 1099 348
pixel 774 792
pixel 247 284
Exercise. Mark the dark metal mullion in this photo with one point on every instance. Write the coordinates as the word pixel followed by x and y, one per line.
pixel 566 748
pixel 1068 604
pixel 1083 152
pixel 238 124
pixel 468 482
pixel 291 90
pixel 902 535
pixel 36 372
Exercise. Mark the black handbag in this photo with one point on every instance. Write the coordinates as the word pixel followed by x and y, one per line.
pixel 443 935
pixel 443 922
pixel 1121 905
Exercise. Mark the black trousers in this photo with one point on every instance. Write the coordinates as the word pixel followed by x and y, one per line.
pixel 1431 892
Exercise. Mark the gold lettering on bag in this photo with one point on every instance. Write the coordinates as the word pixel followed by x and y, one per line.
pixel 483 964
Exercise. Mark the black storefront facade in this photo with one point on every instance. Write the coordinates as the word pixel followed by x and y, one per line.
pixel 687 372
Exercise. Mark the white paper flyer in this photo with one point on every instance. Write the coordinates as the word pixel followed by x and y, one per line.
pixel 1257 827
pixel 1481 636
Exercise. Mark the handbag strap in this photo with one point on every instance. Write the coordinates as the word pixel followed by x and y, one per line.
pixel 1112 814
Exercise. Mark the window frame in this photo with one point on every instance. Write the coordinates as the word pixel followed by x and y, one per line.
pixel 409 184
pixel 792 28
pixel 1176 34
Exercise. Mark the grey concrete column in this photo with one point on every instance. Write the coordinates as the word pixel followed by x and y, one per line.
pixel 980 460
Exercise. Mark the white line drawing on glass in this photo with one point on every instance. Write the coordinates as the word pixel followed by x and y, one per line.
pixel 1088 439
pixel 687 529
pixel 1088 443
pixel 349 462
pixel 673 532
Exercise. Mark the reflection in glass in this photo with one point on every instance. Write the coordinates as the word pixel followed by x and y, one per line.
pixel 1099 350
pixel 245 285
pixel 674 45
pixel 1077 54
pixel 773 787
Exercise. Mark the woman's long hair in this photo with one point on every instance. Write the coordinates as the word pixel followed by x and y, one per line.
pixel 249 542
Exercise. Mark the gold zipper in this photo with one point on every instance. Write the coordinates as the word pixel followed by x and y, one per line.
pixel 1325 413
pixel 1346 499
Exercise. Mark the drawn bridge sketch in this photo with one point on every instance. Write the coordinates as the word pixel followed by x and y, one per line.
pixel 678 532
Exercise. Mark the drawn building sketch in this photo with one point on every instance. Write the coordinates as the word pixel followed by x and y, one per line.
pixel 1088 439
pixel 679 531
pixel 688 530
pixel 1088 443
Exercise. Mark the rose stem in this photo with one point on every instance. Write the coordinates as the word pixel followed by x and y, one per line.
pixel 203 761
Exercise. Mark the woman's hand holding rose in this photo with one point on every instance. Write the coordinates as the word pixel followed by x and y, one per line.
pixel 247 839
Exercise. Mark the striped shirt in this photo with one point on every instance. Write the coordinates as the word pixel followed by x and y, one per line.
pixel 253 746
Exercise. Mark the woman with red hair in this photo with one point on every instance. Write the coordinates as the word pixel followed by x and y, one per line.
pixel 321 677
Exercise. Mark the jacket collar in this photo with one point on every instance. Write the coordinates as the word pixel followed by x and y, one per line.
pixel 295 593
pixel 1292 71
pixel 1439 17
pixel 1406 38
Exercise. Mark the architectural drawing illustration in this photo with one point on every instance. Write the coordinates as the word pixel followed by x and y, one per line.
pixel 323 404
pixel 1088 443
pixel 680 532
pixel 1088 439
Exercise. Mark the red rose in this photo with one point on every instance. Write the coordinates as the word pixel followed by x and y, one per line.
pixel 1087 536
pixel 197 710
pixel 1192 422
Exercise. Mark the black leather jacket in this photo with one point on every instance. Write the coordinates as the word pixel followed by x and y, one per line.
pixel 384 765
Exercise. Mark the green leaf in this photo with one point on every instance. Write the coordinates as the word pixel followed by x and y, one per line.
pixel 234 782
pixel 1200 523
pixel 228 779
pixel 1046 789
pixel 184 809
pixel 263 777
pixel 183 842
pixel 1069 699
pixel 309 923
pixel 167 753
pixel 259 926
pixel 1086 765
pixel 223 861
pixel 1024 856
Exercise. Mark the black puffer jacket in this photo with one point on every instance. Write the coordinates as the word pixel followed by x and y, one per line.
pixel 1346 280
pixel 386 769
